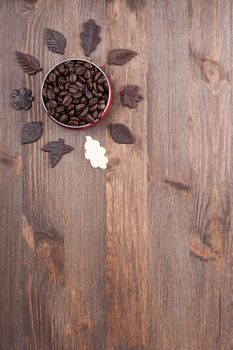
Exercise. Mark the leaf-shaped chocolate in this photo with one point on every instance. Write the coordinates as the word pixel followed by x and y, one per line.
pixel 56 149
pixel 90 36
pixel 130 95
pixel 56 42
pixel 121 56
pixel 21 99
pixel 28 63
pixel 31 132
pixel 121 134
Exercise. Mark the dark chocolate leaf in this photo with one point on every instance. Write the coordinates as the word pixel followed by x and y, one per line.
pixel 56 42
pixel 121 56
pixel 121 134
pixel 90 36
pixel 21 99
pixel 56 149
pixel 28 63
pixel 31 132
pixel 130 95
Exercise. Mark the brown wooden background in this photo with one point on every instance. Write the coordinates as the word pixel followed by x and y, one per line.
pixel 138 257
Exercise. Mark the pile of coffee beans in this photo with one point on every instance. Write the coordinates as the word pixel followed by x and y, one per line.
pixel 75 93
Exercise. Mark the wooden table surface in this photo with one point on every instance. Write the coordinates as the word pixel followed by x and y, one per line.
pixel 137 257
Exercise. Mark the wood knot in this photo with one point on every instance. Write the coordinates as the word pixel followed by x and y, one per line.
pixel 82 328
pixel 214 233
pixel 10 160
pixel 212 71
pixel 178 185
pixel 201 251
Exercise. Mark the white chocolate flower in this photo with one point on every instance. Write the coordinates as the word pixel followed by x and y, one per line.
pixel 95 153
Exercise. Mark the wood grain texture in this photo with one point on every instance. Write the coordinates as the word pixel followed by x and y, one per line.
pixel 137 257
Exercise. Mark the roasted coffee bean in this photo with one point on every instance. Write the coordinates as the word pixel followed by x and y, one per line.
pixel 88 95
pixel 94 93
pixel 76 93
pixel 67 101
pixel 45 93
pixel 75 118
pixel 87 74
pixel 73 89
pixel 52 77
pixel 75 100
pixel 89 84
pixel 101 107
pixel 80 70
pixel 57 72
pixel 64 118
pixel 89 118
pixel 61 80
pixel 80 107
pixel 80 78
pixel 97 75
pixel 73 78
pixel 88 65
pixel 95 114
pixel 60 109
pixel 53 103
pixel 69 64
pixel 100 88
pixel 51 95
pixel 70 107
pixel 84 112
pixel 61 68
pixel 73 122
pixel 93 101
pixel 105 85
pixel 84 99
pixel 93 108
pixel 71 113
pixel 101 80
pixel 56 116
pixel 62 93
pixel 56 90
pixel 80 85
pixel 51 110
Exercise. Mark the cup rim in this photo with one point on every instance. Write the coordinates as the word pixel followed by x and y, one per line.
pixel 79 127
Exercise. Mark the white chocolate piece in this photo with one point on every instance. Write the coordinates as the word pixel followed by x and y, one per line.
pixel 95 153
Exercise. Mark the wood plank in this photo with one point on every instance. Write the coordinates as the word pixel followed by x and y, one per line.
pixel 11 315
pixel 63 207
pixel 126 187
pixel 169 175
pixel 210 62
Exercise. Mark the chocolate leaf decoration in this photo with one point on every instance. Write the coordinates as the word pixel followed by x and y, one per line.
pixel 28 63
pixel 21 99
pixel 130 95
pixel 121 56
pixel 90 36
pixel 31 132
pixel 56 42
pixel 121 134
pixel 57 149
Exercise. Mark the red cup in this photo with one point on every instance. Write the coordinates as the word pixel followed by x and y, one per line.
pixel 86 126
